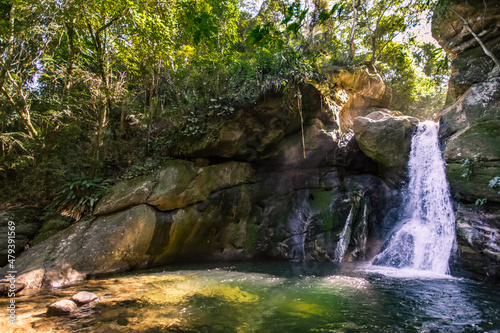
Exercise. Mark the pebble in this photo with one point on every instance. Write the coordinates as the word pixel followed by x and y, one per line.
pixel 84 297
pixel 61 308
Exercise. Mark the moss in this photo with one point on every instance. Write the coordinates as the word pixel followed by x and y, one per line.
pixel 43 236
pixel 51 227
pixel 474 185
pixel 251 238
pixel 322 200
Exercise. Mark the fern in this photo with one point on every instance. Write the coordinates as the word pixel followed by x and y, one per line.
pixel 78 195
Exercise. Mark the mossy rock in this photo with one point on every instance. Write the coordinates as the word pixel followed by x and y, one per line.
pixel 177 184
pixel 479 142
pixel 178 187
pixel 126 194
pixel 50 227
pixel 479 146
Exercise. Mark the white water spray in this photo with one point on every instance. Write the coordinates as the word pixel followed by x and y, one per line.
pixel 424 238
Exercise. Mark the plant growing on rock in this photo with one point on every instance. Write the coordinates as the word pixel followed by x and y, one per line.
pixel 78 195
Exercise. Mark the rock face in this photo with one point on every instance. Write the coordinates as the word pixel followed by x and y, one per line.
pixel 111 243
pixel 384 138
pixel 26 223
pixel 470 65
pixel 287 192
pixel 470 129
pixel 283 178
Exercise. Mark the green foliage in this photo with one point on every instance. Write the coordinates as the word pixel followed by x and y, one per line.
pixel 78 195
pixel 480 202
pixel 466 168
pixel 109 85
pixel 417 78
pixel 495 182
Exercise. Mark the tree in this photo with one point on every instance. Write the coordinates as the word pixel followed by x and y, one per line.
pixel 19 65
pixel 382 20
pixel 352 48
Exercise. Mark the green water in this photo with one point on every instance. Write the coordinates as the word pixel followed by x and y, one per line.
pixel 272 297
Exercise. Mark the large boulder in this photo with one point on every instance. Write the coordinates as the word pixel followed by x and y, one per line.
pixel 480 103
pixel 51 226
pixel 106 244
pixel 384 138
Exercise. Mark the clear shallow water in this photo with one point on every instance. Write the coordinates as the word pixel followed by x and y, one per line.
pixel 271 297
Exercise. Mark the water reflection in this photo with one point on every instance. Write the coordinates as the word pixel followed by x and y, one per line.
pixel 269 297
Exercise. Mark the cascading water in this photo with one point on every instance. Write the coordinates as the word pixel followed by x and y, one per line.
pixel 424 238
pixel 344 238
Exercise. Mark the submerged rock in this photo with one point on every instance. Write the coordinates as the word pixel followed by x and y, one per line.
pixel 6 287
pixel 84 297
pixel 61 308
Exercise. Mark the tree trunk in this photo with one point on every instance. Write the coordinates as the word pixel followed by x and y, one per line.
pixel 23 110
pixel 122 120
pixel 106 105
pixel 352 47
pixel 98 141
pixel 70 32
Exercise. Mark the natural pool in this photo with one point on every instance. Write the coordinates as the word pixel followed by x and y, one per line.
pixel 269 297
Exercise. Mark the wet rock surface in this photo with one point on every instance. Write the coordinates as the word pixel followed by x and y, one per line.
pixel 84 297
pixel 470 130
pixel 61 308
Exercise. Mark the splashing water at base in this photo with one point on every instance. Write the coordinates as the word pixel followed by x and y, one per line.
pixel 424 238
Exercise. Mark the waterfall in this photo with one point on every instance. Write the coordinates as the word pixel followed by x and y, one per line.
pixel 424 237
pixel 344 238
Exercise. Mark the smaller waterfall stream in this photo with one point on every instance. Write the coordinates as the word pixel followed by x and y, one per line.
pixel 344 239
pixel 424 237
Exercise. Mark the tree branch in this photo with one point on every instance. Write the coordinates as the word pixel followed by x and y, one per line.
pixel 485 49
pixel 113 20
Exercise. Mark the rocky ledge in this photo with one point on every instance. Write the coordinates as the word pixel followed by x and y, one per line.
pixel 470 130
